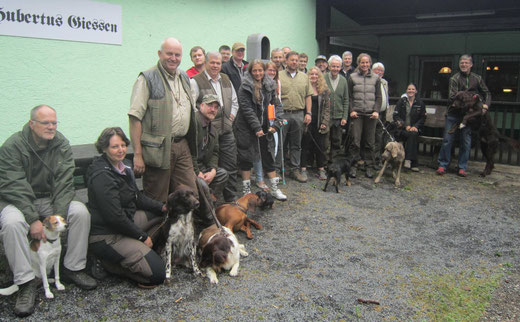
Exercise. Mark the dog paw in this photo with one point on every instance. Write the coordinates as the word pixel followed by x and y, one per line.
pixel 168 275
pixel 49 295
pixel 59 286
pixel 461 126
pixel 398 183
pixel 213 280
pixel 233 273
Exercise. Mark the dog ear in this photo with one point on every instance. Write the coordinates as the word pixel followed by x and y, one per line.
pixel 47 223
pixel 252 203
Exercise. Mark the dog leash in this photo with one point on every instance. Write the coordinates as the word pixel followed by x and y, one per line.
pixel 384 128
pixel 210 205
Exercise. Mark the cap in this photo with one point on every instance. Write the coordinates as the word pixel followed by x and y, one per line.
pixel 238 45
pixel 210 98
pixel 320 57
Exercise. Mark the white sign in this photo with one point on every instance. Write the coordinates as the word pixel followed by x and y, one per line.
pixel 82 20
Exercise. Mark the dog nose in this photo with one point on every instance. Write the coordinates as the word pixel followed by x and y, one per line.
pixel 196 204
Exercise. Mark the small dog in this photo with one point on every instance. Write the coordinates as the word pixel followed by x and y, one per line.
pixel 175 238
pixel 334 172
pixel 234 217
pixel 220 250
pixel 394 153
pixel 46 255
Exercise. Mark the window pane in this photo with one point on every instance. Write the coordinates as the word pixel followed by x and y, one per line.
pixel 502 80
pixel 435 84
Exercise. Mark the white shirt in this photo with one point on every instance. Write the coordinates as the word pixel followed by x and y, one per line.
pixel 195 91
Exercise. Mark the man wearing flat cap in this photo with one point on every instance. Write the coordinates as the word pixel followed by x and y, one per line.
pixel 236 66
pixel 322 64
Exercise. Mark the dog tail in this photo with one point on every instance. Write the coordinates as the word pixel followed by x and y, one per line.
pixel 515 144
pixel 9 290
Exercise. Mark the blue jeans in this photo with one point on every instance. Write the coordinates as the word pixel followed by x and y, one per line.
pixel 447 142
pixel 257 166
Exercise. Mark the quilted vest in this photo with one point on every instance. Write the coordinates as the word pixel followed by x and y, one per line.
pixel 364 92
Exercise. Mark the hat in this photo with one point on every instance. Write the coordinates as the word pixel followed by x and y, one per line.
pixel 210 98
pixel 321 57
pixel 238 45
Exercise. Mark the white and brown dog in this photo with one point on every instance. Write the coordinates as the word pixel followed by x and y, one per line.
pixel 219 250
pixel 46 255
pixel 393 154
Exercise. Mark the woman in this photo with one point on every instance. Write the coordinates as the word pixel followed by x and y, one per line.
pixel 410 113
pixel 314 139
pixel 121 214
pixel 253 132
pixel 365 104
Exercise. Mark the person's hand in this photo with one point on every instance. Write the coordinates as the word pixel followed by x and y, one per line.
pixel 36 231
pixel 343 122
pixel 307 120
pixel 407 128
pixel 323 126
pixel 413 129
pixel 201 175
pixel 272 129
pixel 139 166
pixel 148 242
pixel 260 133
pixel 374 115
pixel 209 176
pixel 485 108
pixel 164 208
pixel 231 117
pixel 353 115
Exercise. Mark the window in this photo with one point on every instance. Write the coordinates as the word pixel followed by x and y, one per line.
pixel 501 75
pixel 432 75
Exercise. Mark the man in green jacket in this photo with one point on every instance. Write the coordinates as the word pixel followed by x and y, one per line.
pixel 36 180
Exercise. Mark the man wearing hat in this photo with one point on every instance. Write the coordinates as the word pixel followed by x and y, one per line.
pixel 236 66
pixel 206 166
pixel 321 63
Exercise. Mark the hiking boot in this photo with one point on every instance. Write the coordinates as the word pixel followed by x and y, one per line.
pixel 368 173
pixel 407 164
pixel 80 278
pixel 304 175
pixel 277 193
pixel 322 174
pixel 246 187
pixel 353 172
pixel 25 301
pixel 298 176
pixel 440 171
pixel 462 173
pixel 95 268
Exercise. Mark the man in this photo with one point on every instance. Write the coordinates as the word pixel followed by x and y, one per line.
pixel 212 81
pixel 464 80
pixel 379 69
pixel 162 125
pixel 347 68
pixel 302 62
pixel 338 104
pixel 277 58
pixel 322 64
pixel 236 66
pixel 225 51
pixel 296 101
pixel 285 51
pixel 206 166
pixel 36 180
pixel 197 54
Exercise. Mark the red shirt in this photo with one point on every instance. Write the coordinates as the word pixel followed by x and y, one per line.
pixel 192 72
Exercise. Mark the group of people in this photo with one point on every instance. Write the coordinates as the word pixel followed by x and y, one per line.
pixel 222 118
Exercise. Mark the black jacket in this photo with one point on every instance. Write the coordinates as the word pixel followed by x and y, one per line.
pixel 113 199
pixel 417 113
pixel 229 68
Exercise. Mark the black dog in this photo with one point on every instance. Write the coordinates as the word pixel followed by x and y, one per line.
pixel 334 172
pixel 267 200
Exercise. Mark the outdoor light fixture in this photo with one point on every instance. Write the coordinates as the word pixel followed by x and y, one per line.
pixel 507 90
pixel 455 14
pixel 488 68
pixel 495 68
pixel 445 70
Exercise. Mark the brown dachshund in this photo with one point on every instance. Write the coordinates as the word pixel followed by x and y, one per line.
pixel 234 217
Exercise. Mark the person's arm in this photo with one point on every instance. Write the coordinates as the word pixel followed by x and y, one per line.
pixel 136 129
pixel 422 116
pixel 325 113
pixel 63 181
pixel 484 91
pixel 308 104
pixel 379 98
pixel 194 89
pixel 345 104
pixel 234 104
pixel 247 110
pixel 453 89
pixel 138 108
pixel 213 161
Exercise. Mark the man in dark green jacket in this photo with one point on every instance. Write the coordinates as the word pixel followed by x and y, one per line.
pixel 36 181
pixel 206 166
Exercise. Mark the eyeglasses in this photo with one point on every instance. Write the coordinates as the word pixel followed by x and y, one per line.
pixel 46 123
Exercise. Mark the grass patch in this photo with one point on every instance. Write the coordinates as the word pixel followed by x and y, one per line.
pixel 460 296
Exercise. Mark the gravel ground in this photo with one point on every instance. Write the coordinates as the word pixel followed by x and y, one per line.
pixel 320 252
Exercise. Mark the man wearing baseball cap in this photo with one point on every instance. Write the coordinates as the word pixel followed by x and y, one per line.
pixel 321 63
pixel 236 66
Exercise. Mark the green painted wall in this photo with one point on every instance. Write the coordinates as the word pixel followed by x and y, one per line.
pixel 90 84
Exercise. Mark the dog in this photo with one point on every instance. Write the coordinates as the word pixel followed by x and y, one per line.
pixel 176 236
pixel 234 217
pixel 46 255
pixel 482 124
pixel 334 172
pixel 219 250
pixel 394 154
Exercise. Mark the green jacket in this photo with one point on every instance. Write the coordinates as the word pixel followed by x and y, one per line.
pixel 338 98
pixel 208 153
pixel 21 171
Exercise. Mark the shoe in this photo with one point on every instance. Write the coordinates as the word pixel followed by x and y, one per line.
pixel 146 287
pixel 277 193
pixel 246 187
pixel 407 164
pixel 353 172
pixel 80 278
pixel 462 173
pixel 415 169
pixel 304 175
pixel 368 173
pixel 322 175
pixel 298 176
pixel 261 185
pixel 440 171
pixel 25 301
pixel 95 268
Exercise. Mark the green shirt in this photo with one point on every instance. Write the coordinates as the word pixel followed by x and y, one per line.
pixel 294 90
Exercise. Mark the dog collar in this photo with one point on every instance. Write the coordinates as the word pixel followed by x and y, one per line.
pixel 52 240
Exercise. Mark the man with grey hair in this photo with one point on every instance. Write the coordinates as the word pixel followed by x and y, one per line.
pixel 278 58
pixel 347 68
pixel 37 180
pixel 379 69
pixel 213 81
pixel 339 101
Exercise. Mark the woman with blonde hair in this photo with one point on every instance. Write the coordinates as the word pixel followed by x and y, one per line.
pixel 316 133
